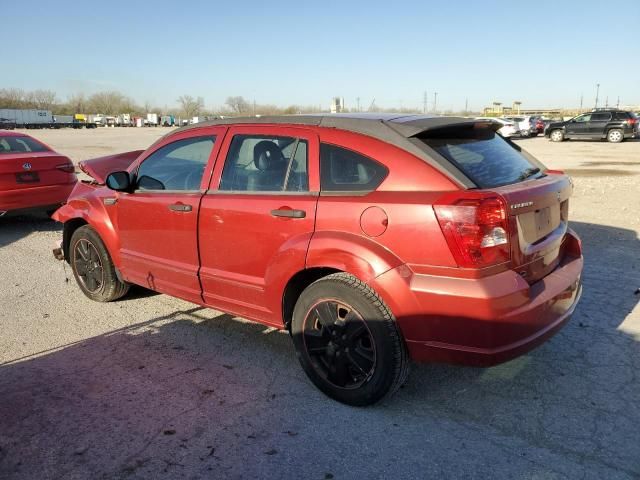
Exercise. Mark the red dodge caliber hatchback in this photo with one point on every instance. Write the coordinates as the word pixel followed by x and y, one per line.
pixel 32 175
pixel 373 239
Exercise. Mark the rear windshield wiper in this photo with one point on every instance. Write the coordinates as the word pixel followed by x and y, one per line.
pixel 528 173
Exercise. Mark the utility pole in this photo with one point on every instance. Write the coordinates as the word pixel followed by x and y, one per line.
pixel 606 102
pixel 254 107
pixel 358 103
pixel 581 98
pixel 597 93
pixel 424 102
pixel 466 106
pixel 435 102
pixel 618 104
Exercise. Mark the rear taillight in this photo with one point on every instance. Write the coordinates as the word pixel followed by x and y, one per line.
pixel 632 121
pixel 66 167
pixel 476 229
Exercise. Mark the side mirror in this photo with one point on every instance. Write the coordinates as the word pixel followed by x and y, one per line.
pixel 119 181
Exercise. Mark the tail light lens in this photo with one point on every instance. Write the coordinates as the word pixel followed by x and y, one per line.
pixel 66 167
pixel 476 230
pixel 633 121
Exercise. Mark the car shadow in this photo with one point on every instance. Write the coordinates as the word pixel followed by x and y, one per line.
pixel 198 394
pixel 13 227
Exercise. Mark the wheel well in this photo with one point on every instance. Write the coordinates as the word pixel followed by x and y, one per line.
pixel 296 286
pixel 67 232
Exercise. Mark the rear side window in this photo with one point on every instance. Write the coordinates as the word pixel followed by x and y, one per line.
pixel 481 154
pixel 257 163
pixel 20 145
pixel 601 117
pixel 623 115
pixel 343 170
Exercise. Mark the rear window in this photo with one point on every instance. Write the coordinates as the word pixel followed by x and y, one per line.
pixel 481 154
pixel 20 145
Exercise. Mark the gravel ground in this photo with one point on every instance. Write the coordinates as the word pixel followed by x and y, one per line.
pixel 154 387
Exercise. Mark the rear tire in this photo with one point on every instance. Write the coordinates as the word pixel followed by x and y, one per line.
pixel 615 135
pixel 93 268
pixel 347 341
pixel 556 136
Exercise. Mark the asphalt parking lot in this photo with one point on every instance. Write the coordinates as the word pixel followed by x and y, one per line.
pixel 154 387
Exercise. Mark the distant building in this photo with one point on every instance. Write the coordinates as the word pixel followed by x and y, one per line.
pixel 337 105
pixel 497 110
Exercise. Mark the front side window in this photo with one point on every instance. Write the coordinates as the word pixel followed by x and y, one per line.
pixel 259 163
pixel 20 145
pixel 343 170
pixel 176 166
pixel 583 118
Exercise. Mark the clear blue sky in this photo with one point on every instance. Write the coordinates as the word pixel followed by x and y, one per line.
pixel 544 53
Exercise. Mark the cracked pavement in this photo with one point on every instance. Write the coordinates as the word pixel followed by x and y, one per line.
pixel 154 387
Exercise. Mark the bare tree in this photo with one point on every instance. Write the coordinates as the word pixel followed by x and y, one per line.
pixel 43 99
pixel 237 104
pixel 128 105
pixel 12 98
pixel 77 103
pixel 191 107
pixel 107 103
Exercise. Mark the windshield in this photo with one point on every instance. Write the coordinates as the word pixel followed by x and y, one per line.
pixel 20 145
pixel 482 155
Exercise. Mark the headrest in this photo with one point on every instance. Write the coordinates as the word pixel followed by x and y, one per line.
pixel 268 156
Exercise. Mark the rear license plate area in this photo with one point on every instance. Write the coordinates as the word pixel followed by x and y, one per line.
pixel 543 221
pixel 27 177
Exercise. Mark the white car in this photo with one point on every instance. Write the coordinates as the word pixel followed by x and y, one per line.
pixel 508 129
pixel 526 124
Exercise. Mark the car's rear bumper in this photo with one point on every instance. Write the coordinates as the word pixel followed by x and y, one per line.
pixel 482 321
pixel 36 196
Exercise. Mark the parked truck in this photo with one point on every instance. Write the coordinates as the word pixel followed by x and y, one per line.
pixel 152 119
pixel 32 118
pixel 123 120
pixel 167 121
pixel 28 118
pixel 80 120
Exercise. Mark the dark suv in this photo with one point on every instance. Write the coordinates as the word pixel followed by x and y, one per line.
pixel 614 125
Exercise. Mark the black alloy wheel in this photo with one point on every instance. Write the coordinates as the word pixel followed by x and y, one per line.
pixel 88 265
pixel 339 344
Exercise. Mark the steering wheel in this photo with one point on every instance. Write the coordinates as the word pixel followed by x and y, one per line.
pixel 193 175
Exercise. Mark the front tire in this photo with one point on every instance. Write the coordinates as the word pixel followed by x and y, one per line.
pixel 615 135
pixel 347 341
pixel 556 136
pixel 93 268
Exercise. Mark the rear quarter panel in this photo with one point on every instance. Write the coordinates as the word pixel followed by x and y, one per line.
pixel 347 235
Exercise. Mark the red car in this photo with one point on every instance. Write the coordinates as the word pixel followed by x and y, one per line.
pixel 32 175
pixel 372 239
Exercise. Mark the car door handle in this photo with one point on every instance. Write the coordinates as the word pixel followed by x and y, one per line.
pixel 288 213
pixel 180 207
